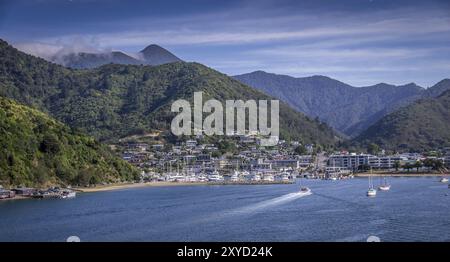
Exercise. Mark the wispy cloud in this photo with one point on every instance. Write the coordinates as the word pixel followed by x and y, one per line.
pixel 361 46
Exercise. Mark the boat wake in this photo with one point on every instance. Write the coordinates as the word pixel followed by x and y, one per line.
pixel 253 208
pixel 270 203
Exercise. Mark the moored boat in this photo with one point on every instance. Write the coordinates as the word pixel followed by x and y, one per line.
pixel 384 186
pixel 372 192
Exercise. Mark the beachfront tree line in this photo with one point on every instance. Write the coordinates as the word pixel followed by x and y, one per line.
pixel 429 163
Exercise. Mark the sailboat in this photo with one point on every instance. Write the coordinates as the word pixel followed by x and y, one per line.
pixel 384 186
pixel 372 191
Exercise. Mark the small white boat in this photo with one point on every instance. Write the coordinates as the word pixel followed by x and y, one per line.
pixel 235 177
pixel 215 177
pixel 371 192
pixel 285 176
pixel 444 180
pixel 255 177
pixel 385 186
pixel 68 194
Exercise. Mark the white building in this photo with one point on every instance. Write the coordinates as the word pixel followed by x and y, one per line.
pixel 353 161
pixel 385 162
pixel 350 161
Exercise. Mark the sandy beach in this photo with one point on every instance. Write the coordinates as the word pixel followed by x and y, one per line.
pixel 134 185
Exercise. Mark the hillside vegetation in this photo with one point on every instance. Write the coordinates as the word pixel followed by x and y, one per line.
pixel 423 125
pixel 115 101
pixel 36 150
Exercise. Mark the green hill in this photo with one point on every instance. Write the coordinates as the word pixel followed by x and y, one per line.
pixel 114 101
pixel 37 150
pixel 423 125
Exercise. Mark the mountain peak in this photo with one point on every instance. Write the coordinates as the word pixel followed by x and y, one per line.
pixel 157 55
pixel 152 47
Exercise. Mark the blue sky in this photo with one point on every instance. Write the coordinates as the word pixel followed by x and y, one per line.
pixel 360 42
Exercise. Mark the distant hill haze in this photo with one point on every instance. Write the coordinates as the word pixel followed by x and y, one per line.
pixel 350 110
pixel 151 55
pixel 422 125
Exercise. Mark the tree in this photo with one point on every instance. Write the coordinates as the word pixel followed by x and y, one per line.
pixel 397 165
pixel 373 149
pixel 407 166
pixel 50 144
pixel 438 164
pixel 418 165
pixel 428 163
pixel 300 150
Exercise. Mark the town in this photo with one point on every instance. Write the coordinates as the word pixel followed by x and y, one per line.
pixel 241 159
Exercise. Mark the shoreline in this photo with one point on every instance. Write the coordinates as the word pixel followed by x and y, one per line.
pixel 134 185
pixel 15 198
pixel 402 175
pixel 163 183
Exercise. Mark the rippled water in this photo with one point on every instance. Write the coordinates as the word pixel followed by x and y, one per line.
pixel 416 209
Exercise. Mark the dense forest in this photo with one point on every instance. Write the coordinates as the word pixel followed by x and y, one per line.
pixel 36 150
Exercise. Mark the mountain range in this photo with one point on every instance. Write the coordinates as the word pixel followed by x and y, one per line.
pixel 117 100
pixel 422 125
pixel 151 55
pixel 113 101
pixel 350 110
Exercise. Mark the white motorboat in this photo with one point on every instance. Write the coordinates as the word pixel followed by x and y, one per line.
pixel 235 177
pixel 285 176
pixel 68 194
pixel 255 177
pixel 215 177
pixel 444 180
pixel 305 190
pixel 268 178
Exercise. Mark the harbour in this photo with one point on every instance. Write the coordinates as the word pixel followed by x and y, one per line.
pixel 334 211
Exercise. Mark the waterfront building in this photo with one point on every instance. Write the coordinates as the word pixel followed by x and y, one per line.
pixel 305 160
pixel 386 162
pixel 354 161
pixel 286 163
pixel 24 191
pixel 350 161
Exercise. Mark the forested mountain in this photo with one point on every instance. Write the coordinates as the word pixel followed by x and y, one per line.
pixel 348 109
pixel 151 55
pixel 422 125
pixel 156 55
pixel 36 150
pixel 113 101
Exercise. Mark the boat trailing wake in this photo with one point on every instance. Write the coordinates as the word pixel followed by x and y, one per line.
pixel 249 209
pixel 270 203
